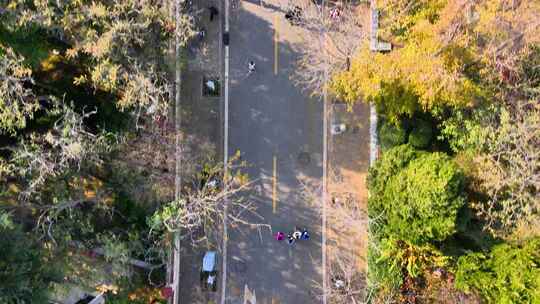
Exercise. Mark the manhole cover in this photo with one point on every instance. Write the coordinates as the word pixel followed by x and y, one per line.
pixel 304 158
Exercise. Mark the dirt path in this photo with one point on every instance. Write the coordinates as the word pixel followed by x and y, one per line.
pixel 347 210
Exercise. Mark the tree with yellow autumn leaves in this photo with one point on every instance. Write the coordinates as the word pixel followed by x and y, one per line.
pixel 442 52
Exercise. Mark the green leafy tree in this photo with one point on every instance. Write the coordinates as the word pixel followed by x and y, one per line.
pixel 391 135
pixel 393 161
pixel 509 273
pixel 467 129
pixel 418 202
pixel 68 145
pixel 421 134
pixel 24 273
pixel 395 100
pixel 503 139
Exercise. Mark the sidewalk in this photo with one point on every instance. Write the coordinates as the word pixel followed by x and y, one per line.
pixel 201 113
pixel 202 123
pixel 347 211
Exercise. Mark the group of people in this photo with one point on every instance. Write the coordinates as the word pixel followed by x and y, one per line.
pixel 297 234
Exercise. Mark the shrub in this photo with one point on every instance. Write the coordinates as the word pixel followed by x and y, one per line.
pixel 419 202
pixel 392 161
pixel 421 134
pixel 383 275
pixel 398 255
pixel 509 273
pixel 391 135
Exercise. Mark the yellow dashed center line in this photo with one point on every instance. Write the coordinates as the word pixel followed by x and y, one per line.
pixel 274 185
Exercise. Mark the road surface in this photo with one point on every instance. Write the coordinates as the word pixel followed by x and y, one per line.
pixel 279 132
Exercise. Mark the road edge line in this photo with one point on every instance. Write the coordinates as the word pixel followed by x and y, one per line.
pixel 225 153
pixel 325 173
pixel 178 155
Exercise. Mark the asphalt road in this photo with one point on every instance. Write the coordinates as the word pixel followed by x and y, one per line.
pixel 270 118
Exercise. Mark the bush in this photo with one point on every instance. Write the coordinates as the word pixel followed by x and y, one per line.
pixel 418 202
pixel 421 134
pixel 392 161
pixel 391 135
pixel 398 256
pixel 383 274
pixel 509 273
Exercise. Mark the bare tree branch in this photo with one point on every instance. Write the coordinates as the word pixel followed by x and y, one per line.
pixel 331 36
pixel 346 223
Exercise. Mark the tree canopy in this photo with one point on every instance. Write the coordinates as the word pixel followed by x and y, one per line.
pixel 24 272
pixel 417 195
pixel 509 273
pixel 120 44
pixel 442 49
pixel 78 81
pixel 463 79
pixel 17 101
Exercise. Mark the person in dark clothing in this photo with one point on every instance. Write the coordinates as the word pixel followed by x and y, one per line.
pixel 304 234
pixel 293 15
pixel 289 16
pixel 213 12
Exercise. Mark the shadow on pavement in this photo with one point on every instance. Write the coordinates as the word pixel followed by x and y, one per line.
pixel 269 117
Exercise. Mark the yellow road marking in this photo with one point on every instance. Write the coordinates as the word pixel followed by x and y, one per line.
pixel 274 185
pixel 276 44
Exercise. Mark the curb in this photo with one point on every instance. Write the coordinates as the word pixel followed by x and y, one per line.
pixel 373 140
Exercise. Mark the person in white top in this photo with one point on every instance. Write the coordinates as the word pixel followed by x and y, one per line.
pixel 251 67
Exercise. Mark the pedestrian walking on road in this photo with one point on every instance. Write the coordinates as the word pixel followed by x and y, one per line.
pixel 213 12
pixel 251 67
pixel 290 239
pixel 201 34
pixel 305 234
pixel 280 236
